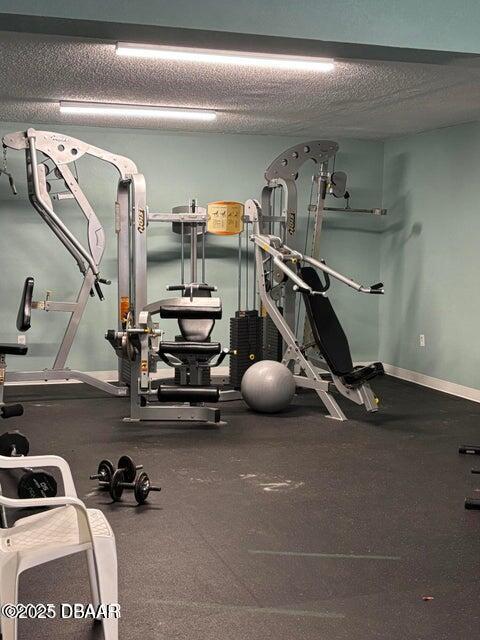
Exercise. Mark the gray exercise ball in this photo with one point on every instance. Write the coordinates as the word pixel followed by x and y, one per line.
pixel 268 386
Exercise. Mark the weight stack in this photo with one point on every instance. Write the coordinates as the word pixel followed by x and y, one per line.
pixel 246 344
pixel 273 343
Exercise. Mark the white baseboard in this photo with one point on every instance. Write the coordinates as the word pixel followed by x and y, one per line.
pixel 452 388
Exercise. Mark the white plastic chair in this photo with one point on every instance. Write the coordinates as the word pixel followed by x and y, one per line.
pixel 69 528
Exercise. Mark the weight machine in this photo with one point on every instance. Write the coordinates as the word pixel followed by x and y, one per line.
pixel 320 354
pixel 62 151
pixel 139 342
pixel 137 339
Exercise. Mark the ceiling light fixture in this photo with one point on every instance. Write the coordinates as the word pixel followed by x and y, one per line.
pixel 214 56
pixel 107 109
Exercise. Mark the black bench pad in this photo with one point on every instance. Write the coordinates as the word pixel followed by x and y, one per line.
pixel 182 348
pixel 13 349
pixel 188 393
pixel 198 308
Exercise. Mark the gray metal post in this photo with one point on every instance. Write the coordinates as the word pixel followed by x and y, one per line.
pixel 73 323
pixel 193 253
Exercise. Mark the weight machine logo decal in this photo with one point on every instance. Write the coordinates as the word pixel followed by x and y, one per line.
pixel 141 221
pixel 291 221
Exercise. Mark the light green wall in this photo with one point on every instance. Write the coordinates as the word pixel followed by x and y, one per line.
pixel 431 24
pixel 430 254
pixel 425 250
pixel 177 167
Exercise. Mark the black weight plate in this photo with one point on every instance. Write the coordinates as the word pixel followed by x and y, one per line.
pixel 128 465
pixel 142 488
pixel 105 471
pixel 37 484
pixel 16 440
pixel 116 490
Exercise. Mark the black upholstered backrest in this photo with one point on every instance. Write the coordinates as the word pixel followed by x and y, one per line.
pixel 326 328
pixel 25 309
pixel 196 330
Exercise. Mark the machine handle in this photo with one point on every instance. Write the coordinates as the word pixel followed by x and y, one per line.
pixel 326 286
pixel 10 181
pixel 308 290
pixel 169 359
pixel 224 353
pixel 204 287
pixel 194 287
pixel 12 184
pixel 377 288
pixel 298 289
pixel 98 289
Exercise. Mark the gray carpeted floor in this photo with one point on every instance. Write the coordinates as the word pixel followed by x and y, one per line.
pixel 275 527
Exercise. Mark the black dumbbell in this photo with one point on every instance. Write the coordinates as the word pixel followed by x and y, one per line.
pixel 34 483
pixel 129 468
pixel 141 487
pixel 104 473
pixel 106 470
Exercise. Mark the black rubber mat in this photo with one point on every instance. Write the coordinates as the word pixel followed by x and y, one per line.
pixel 275 527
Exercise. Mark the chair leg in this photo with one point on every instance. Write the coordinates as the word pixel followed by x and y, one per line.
pixel 92 573
pixel 9 595
pixel 106 563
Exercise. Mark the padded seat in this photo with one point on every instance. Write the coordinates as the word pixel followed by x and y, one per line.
pixel 13 349
pixel 187 348
pixel 198 308
pixel 196 312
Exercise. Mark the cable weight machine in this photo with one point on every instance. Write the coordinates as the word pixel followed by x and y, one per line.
pixel 318 353
pixel 138 341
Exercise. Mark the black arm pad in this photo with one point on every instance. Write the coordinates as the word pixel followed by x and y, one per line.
pixel 25 310
pixel 189 393
pixel 13 349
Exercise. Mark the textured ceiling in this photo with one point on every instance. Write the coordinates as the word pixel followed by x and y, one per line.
pixel 359 99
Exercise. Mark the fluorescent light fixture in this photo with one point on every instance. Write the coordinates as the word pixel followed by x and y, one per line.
pixel 214 56
pixel 106 109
